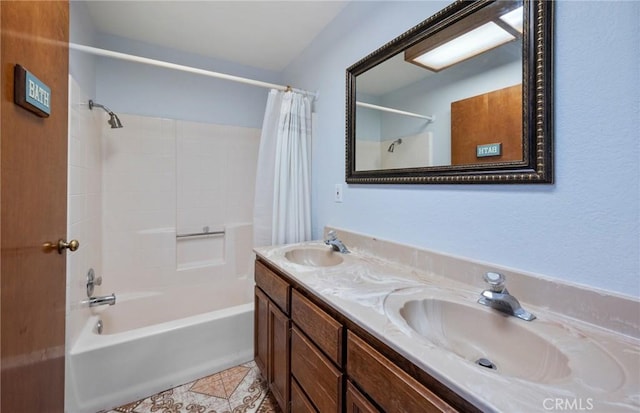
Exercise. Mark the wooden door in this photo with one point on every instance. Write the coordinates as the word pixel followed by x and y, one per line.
pixel 33 176
pixel 494 117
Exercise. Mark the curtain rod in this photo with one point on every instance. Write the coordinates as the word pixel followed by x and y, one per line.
pixel 399 112
pixel 183 68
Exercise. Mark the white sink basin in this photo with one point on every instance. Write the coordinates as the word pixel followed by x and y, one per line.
pixel 314 257
pixel 535 351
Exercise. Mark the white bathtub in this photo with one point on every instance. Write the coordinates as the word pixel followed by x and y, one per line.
pixel 150 344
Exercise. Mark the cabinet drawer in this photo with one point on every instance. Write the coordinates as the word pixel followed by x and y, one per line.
pixel 317 376
pixel 275 287
pixel 322 329
pixel 299 401
pixel 357 403
pixel 392 389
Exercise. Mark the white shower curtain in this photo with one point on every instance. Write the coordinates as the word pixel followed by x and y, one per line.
pixel 282 207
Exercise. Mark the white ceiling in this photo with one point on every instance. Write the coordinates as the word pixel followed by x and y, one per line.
pixel 264 34
pixel 391 75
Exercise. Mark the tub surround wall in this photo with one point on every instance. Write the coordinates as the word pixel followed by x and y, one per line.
pixel 84 212
pixel 139 203
pixel 582 229
pixel 216 172
pixel 163 177
pixel 136 179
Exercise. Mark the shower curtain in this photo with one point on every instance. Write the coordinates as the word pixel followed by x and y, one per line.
pixel 282 207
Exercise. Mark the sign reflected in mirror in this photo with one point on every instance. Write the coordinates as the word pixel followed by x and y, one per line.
pixel 443 103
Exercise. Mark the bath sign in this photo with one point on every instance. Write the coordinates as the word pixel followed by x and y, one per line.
pixel 492 149
pixel 31 93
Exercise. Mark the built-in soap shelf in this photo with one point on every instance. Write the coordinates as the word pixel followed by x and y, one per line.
pixel 199 248
pixel 206 232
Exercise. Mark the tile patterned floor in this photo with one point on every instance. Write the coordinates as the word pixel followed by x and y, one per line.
pixel 239 389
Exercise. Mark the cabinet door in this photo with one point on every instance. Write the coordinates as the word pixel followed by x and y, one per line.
pixel 357 403
pixel 261 331
pixel 278 364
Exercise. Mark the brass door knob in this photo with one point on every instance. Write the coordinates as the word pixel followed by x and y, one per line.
pixel 71 245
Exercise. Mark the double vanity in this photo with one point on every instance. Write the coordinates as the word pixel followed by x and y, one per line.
pixel 392 328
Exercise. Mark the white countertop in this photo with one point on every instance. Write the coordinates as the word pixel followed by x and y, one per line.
pixel 604 365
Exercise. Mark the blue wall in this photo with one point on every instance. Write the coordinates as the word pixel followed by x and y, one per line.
pixel 152 91
pixel 584 228
pixel 82 66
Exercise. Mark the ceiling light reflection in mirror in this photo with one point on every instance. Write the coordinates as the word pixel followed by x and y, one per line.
pixel 514 18
pixel 477 41
pixel 467 39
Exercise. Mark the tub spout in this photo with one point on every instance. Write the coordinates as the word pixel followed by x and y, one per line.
pixel 103 300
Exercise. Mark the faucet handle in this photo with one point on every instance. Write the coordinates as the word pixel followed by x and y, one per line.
pixel 92 281
pixel 331 235
pixel 495 280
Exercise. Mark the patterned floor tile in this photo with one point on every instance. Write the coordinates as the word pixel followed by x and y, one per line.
pixel 128 408
pixel 222 384
pixel 239 389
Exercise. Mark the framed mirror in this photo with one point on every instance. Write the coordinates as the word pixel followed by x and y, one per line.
pixel 466 96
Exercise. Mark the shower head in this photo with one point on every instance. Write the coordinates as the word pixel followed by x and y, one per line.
pixel 393 144
pixel 114 121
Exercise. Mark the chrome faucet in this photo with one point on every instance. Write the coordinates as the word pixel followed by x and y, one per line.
pixel 92 281
pixel 335 243
pixel 497 297
pixel 103 300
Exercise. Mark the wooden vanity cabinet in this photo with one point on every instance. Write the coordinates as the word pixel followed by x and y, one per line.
pixel 272 344
pixel 316 361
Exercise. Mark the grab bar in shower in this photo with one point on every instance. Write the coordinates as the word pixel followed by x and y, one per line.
pixel 205 232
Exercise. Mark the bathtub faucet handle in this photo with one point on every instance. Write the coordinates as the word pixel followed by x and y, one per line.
pixel 92 281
